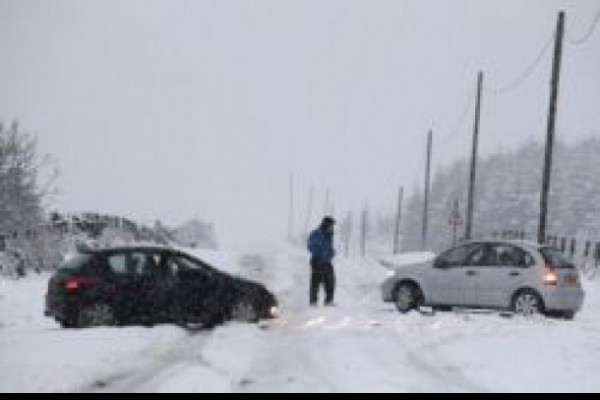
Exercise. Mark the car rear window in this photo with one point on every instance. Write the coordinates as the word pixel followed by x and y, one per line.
pixel 556 259
pixel 76 262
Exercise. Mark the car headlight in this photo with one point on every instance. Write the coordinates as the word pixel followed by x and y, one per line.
pixel 391 274
pixel 274 312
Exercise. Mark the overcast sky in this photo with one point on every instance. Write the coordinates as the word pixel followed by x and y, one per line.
pixel 174 109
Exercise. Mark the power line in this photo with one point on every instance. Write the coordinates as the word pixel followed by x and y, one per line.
pixel 528 72
pixel 461 121
pixel 452 134
pixel 588 35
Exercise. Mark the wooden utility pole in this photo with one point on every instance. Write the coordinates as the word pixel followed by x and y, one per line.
pixel 555 86
pixel 327 201
pixel 309 211
pixel 427 191
pixel 474 156
pixel 398 222
pixel 363 233
pixel 348 228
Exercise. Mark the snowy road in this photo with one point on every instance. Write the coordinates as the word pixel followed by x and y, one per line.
pixel 360 346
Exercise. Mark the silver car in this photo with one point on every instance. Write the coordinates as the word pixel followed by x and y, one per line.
pixel 521 277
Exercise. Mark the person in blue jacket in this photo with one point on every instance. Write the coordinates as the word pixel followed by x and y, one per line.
pixel 321 247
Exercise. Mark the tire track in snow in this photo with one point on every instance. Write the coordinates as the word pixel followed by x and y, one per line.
pixel 142 373
pixel 304 353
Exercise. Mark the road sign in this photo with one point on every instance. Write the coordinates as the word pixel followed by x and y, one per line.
pixel 456 219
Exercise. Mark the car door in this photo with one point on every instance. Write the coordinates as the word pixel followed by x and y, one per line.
pixel 125 284
pixel 159 283
pixel 137 288
pixel 453 280
pixel 501 275
pixel 196 291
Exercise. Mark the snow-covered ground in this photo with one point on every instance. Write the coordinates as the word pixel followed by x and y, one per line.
pixel 362 345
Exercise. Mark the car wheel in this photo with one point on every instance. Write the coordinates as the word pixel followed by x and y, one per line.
pixel 569 315
pixel 244 312
pixel 408 297
pixel 68 323
pixel 95 316
pixel 528 304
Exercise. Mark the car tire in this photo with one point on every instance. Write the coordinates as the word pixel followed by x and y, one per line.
pixel 244 312
pixel 407 297
pixel 97 315
pixel 528 303
pixel 569 315
pixel 70 323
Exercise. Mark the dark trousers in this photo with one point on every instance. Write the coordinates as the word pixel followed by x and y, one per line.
pixel 323 274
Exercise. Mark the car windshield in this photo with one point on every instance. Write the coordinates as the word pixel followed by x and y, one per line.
pixel 76 262
pixel 556 259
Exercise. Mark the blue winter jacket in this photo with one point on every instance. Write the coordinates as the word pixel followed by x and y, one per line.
pixel 320 245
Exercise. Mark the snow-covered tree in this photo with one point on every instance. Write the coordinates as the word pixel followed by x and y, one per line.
pixel 508 196
pixel 20 196
pixel 196 233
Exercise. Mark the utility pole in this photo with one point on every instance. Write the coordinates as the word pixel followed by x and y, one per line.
pixel 427 191
pixel 348 228
pixel 291 210
pixel 363 233
pixel 309 212
pixel 474 156
pixel 555 86
pixel 398 222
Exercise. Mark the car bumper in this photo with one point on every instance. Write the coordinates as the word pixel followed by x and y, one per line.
pixel 564 300
pixel 387 290
pixel 58 309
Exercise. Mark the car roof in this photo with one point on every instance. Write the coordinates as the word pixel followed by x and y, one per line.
pixel 528 244
pixel 122 249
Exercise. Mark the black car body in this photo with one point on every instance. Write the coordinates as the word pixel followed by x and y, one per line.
pixel 149 286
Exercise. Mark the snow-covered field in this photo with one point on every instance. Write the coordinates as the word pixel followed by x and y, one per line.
pixel 362 345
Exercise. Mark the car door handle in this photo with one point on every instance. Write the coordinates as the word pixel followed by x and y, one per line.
pixel 515 274
pixel 472 273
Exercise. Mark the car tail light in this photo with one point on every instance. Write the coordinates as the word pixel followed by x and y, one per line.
pixel 550 277
pixel 75 283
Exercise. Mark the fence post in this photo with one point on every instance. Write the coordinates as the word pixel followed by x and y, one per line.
pixel 597 255
pixel 563 245
pixel 363 235
pixel 588 249
pixel 573 248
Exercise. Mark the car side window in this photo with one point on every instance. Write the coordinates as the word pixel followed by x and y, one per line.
pixel 190 264
pixel 136 263
pixel 486 256
pixel 509 256
pixel 479 258
pixel 458 257
pixel 118 263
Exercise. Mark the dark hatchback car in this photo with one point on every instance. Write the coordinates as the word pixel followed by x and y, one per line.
pixel 150 286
